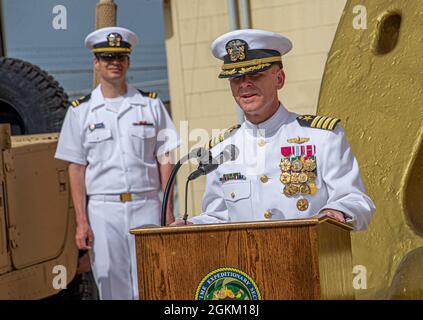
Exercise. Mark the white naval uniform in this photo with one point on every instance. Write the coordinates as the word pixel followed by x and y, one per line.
pixel 119 148
pixel 253 198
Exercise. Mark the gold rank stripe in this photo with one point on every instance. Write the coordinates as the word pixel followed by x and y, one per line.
pixel 253 62
pixel 314 122
pixel 320 122
pixel 220 137
pixel 126 50
pixel 333 123
pixel 152 95
pixel 326 123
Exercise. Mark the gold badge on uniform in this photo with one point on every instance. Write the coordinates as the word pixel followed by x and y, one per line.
pixel 291 189
pixel 297 165
pixel 302 177
pixel 298 140
pixel 310 164
pixel 302 204
pixel 236 49
pixel 285 177
pixel 295 177
pixel 285 164
pixel 299 171
pixel 114 39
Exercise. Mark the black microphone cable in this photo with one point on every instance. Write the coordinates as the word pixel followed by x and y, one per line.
pixel 185 216
pixel 167 191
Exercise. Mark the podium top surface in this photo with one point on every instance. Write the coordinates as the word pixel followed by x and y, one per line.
pixel 153 229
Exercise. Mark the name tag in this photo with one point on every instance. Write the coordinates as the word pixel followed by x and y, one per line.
pixel 94 126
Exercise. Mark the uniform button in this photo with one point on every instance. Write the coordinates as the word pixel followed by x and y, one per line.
pixel 302 204
pixel 268 214
pixel 264 178
pixel 261 143
pixel 233 195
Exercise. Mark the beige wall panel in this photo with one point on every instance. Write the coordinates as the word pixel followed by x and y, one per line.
pixel 304 67
pixel 198 195
pixel 203 29
pixel 296 96
pixel 214 122
pixel 203 80
pixel 215 103
pixel 199 9
pixel 298 15
pixel 260 4
pixel 199 56
pixel 311 40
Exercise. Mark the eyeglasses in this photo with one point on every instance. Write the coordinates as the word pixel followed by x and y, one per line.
pixel 109 59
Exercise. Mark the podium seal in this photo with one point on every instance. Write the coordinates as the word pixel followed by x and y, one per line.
pixel 227 284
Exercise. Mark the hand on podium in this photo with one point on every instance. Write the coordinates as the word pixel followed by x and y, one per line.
pixel 180 222
pixel 337 215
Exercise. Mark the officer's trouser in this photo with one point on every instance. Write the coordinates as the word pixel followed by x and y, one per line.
pixel 113 257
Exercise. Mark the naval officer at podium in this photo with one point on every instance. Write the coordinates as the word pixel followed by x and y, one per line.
pixel 290 166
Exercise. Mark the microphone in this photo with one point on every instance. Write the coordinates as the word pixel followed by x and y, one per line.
pixel 195 154
pixel 229 153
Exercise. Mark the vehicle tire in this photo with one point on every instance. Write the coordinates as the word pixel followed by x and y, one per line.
pixel 30 99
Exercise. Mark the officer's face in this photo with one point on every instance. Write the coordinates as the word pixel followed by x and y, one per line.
pixel 112 68
pixel 257 94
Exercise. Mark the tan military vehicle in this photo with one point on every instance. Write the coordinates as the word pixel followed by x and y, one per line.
pixel 38 256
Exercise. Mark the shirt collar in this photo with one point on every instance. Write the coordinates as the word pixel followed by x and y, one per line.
pixel 269 127
pixel 98 101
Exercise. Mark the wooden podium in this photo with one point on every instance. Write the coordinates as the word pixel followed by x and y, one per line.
pixel 288 259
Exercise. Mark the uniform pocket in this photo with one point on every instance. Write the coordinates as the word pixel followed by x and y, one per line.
pixel 100 145
pixel 143 139
pixel 237 196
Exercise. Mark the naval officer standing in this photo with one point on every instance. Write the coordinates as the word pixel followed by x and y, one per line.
pixel 290 166
pixel 118 141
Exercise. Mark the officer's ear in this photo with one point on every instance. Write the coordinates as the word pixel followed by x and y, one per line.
pixel 280 77
pixel 96 63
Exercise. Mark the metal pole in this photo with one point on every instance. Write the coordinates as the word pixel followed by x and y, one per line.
pixel 234 25
pixel 105 16
pixel 2 40
pixel 245 14
pixel 233 14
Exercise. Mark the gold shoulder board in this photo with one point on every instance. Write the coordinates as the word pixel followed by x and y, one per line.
pixel 222 136
pixel 82 99
pixel 318 122
pixel 150 94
